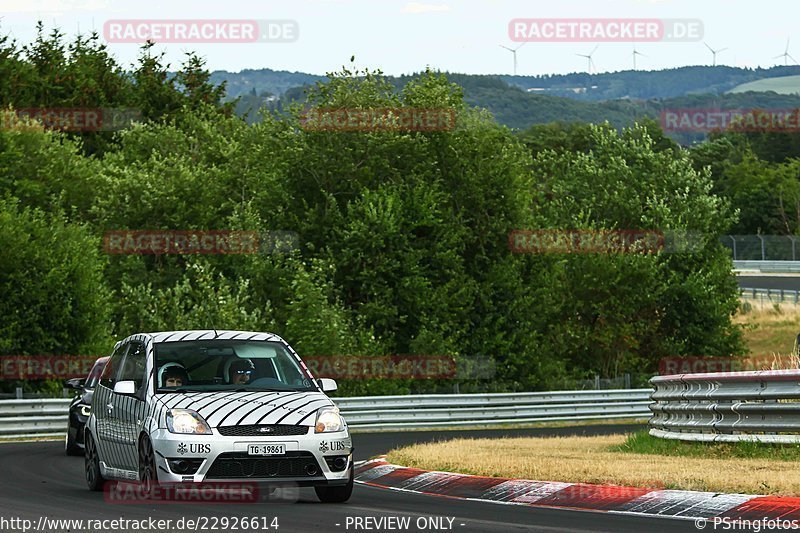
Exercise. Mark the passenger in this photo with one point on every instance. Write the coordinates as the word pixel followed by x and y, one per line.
pixel 173 375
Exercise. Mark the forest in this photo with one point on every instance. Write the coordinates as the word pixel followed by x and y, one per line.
pixel 402 237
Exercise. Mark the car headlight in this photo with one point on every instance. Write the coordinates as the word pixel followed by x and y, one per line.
pixel 329 420
pixel 86 410
pixel 186 421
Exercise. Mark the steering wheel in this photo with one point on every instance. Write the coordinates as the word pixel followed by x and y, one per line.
pixel 267 382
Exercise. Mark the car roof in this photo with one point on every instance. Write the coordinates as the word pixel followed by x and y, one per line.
pixel 209 334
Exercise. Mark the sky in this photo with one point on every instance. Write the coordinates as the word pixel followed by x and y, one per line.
pixel 402 37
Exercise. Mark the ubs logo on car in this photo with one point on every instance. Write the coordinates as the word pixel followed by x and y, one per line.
pixel 338 445
pixel 335 445
pixel 193 448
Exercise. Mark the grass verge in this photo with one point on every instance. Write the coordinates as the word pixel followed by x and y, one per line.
pixel 770 330
pixel 627 460
pixel 643 443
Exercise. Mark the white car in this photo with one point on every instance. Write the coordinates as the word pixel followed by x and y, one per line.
pixel 222 406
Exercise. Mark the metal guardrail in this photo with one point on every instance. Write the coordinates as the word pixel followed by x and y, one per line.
pixel 761 406
pixel 768 266
pixel 459 410
pixel 36 417
pixel 48 418
pixel 770 295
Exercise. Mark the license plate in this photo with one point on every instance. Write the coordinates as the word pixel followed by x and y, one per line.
pixel 266 449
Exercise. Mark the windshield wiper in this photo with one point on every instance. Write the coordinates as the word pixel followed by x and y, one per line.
pixel 263 389
pixel 181 389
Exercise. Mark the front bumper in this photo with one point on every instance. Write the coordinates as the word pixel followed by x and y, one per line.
pixel 308 460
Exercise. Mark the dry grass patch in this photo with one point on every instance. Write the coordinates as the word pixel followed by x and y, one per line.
pixel 771 329
pixel 591 460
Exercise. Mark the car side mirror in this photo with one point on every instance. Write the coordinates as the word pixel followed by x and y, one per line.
pixel 75 383
pixel 327 384
pixel 125 387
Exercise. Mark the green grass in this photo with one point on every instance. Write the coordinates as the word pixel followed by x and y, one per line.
pixel 781 85
pixel 642 442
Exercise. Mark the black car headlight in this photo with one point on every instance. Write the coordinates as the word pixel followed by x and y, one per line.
pixel 85 410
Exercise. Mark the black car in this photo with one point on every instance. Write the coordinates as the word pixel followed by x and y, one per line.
pixel 80 407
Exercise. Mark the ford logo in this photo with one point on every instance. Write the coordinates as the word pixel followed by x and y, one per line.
pixel 265 429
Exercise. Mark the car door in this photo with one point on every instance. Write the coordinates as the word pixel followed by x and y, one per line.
pixel 129 409
pixel 106 425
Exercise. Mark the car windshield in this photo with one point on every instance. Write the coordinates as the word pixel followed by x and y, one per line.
pixel 219 365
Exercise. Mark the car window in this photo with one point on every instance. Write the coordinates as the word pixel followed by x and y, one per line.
pixel 212 365
pixel 110 371
pixel 133 367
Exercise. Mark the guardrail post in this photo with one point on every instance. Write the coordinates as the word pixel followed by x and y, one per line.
pixel 19 393
pixel 733 240
pixel 763 248
pixel 794 243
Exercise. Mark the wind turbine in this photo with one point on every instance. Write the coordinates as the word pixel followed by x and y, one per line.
pixel 513 51
pixel 714 53
pixel 786 55
pixel 589 57
pixel 636 53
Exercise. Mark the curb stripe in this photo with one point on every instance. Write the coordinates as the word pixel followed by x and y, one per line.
pixel 770 507
pixel 681 504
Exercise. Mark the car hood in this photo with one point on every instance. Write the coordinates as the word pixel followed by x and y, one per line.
pixel 227 408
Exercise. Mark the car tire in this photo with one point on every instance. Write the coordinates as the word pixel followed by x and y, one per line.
pixel 70 447
pixel 148 473
pixel 94 479
pixel 338 494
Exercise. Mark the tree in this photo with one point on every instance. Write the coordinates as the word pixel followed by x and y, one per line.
pixel 54 298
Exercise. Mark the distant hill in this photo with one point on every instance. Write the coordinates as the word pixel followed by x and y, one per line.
pixel 646 85
pixel 629 84
pixel 513 106
pixel 262 82
pixel 780 85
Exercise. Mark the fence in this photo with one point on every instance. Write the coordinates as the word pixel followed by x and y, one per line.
pixel 48 417
pixel 728 407
pixel 762 247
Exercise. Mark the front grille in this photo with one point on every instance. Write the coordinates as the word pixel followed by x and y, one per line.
pixel 272 430
pixel 236 465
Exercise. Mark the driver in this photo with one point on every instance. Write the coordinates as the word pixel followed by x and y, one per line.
pixel 241 371
pixel 173 375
